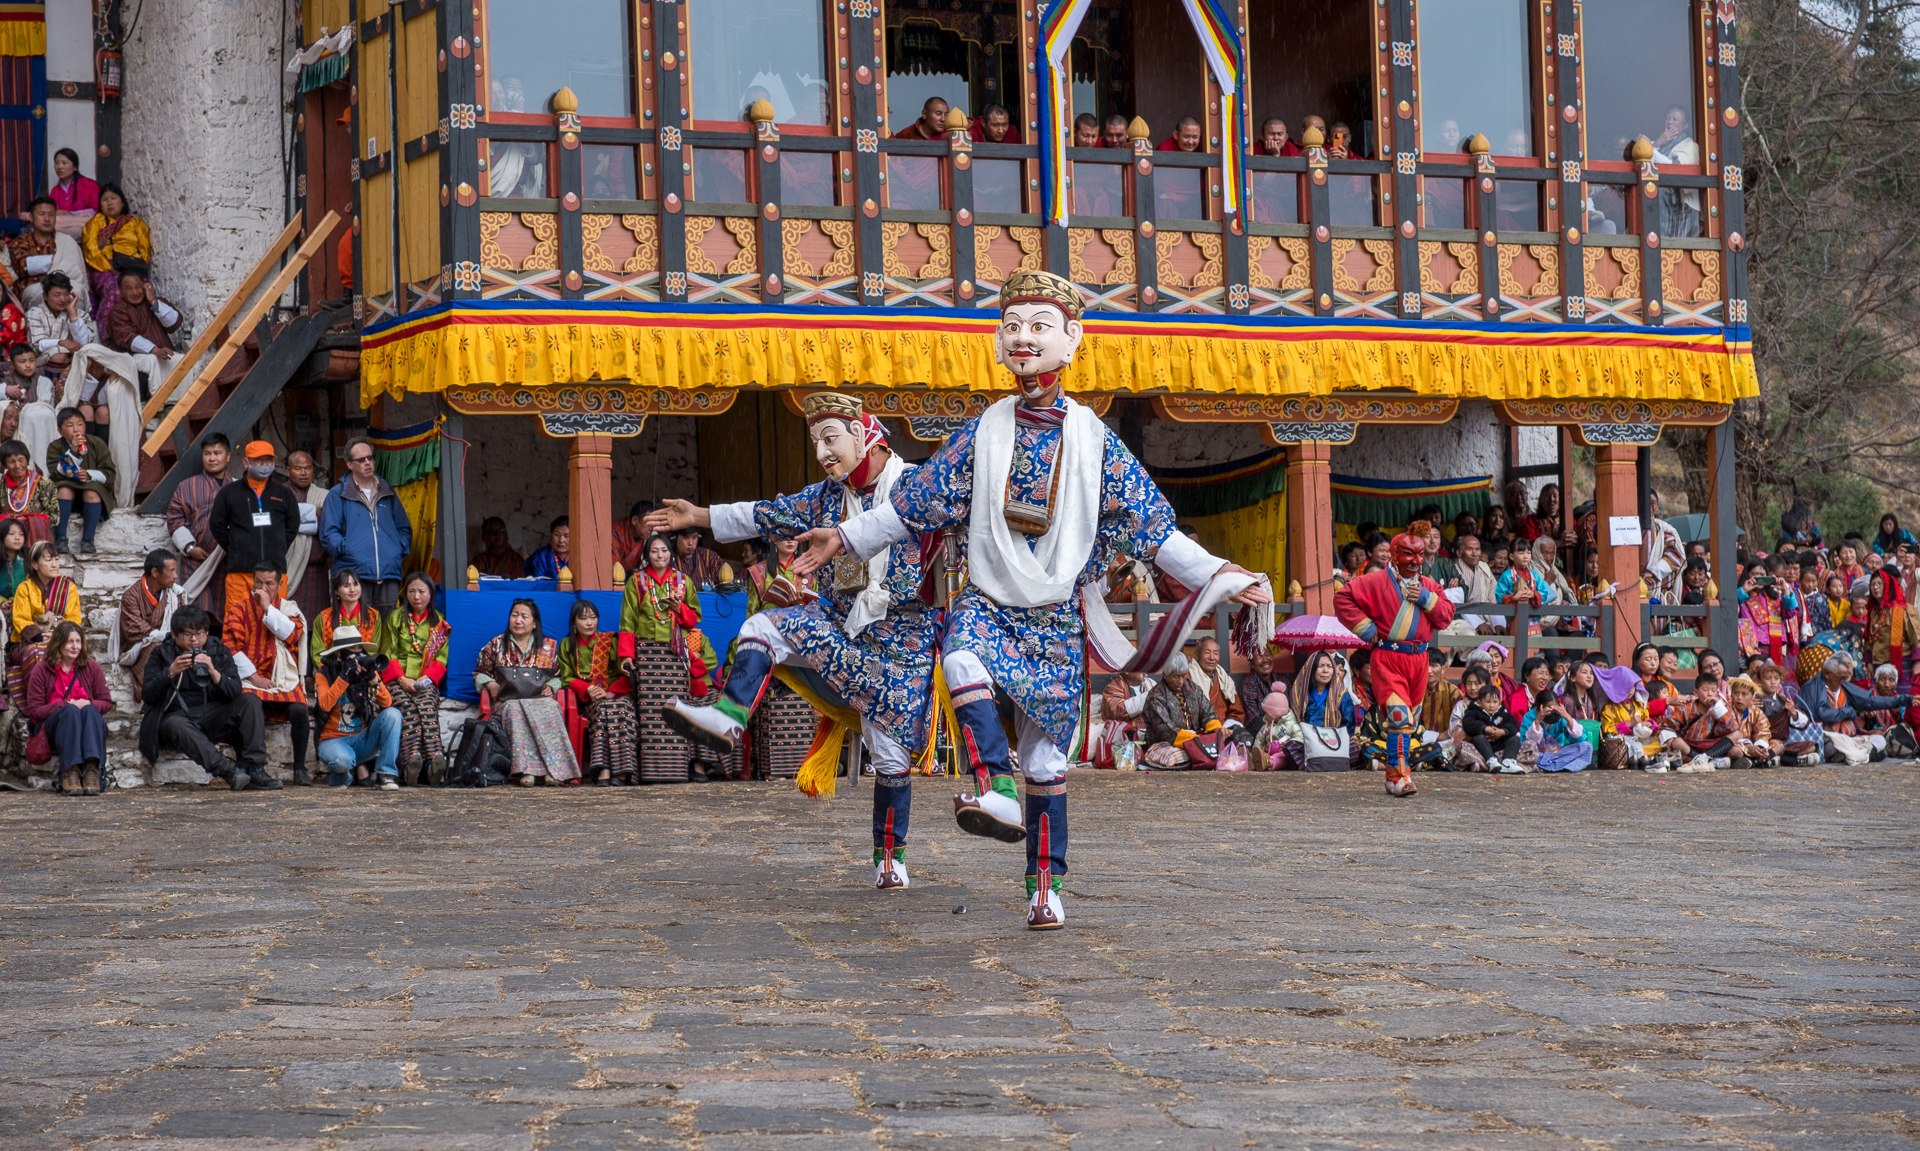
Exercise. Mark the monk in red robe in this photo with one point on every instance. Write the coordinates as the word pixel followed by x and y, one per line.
pixel 1397 613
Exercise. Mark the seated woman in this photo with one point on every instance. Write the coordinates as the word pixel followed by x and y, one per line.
pixel 1466 757
pixel 113 240
pixel 1563 745
pixel 590 669
pixel 13 557
pixel 1629 729
pixel 82 470
pixel 30 497
pixel 1182 731
pixel 66 697
pixel 659 610
pixel 413 637
pixel 347 610
pixel 519 670
pixel 45 591
pixel 1324 703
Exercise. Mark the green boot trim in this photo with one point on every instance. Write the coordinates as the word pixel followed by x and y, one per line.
pixel 733 711
pixel 1004 785
pixel 1033 884
pixel 899 855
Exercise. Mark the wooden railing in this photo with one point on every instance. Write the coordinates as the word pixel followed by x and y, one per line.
pixel 231 335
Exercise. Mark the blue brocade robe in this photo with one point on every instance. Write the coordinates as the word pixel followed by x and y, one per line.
pixel 1037 655
pixel 887 673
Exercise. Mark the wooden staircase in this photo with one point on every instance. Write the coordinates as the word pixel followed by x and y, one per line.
pixel 247 361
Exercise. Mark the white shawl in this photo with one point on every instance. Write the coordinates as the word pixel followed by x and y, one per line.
pixel 1006 569
pixel 871 603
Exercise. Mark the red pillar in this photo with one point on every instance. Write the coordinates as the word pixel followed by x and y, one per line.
pixel 1617 493
pixel 1310 560
pixel 590 510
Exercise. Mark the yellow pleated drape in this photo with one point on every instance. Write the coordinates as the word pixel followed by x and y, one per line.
pixel 421 501
pixel 1255 537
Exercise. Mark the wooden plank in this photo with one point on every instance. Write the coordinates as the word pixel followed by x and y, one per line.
pixel 204 342
pixel 315 240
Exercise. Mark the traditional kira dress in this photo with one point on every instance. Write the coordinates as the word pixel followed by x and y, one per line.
pixel 656 615
pixel 612 729
pixel 535 727
pixel 416 647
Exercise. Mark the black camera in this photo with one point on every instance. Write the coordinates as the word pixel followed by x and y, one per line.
pixel 364 666
pixel 201 673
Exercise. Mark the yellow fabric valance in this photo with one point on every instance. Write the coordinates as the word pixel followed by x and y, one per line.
pixel 547 342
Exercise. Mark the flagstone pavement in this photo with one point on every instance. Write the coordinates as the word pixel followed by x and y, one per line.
pixel 1611 960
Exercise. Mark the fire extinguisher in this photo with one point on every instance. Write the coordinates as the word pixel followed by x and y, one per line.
pixel 106 72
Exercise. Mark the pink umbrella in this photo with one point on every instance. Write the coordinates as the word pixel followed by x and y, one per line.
pixel 1316 633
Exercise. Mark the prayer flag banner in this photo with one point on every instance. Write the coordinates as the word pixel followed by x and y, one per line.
pixel 541 343
pixel 406 454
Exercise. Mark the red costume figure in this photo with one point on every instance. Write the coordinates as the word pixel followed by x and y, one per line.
pixel 1397 613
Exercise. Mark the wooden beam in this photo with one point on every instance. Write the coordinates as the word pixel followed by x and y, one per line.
pixel 204 342
pixel 253 316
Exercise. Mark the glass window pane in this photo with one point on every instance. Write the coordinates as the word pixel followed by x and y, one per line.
pixel 606 172
pixel 1350 198
pixel 771 48
pixel 996 186
pixel 1606 210
pixel 907 97
pixel 1475 75
pixel 529 62
pixel 1274 197
pixel 518 170
pixel 913 182
pixel 806 178
pixel 1446 202
pixel 1179 193
pixel 1516 204
pixel 719 175
pixel 1639 78
pixel 1097 190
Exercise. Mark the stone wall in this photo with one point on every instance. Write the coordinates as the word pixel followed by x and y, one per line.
pixel 200 155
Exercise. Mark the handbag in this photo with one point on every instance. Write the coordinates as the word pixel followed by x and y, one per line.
pixel 39 747
pixel 1327 748
pixel 521 683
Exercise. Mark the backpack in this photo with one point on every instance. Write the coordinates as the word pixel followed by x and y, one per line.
pixel 479 756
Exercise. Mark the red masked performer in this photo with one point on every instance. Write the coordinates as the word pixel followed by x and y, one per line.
pixel 1397 612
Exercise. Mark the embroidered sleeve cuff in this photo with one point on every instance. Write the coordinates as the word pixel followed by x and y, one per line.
pixel 391 672
pixel 436 671
pixel 733 522
pixel 1366 630
pixel 1187 561
pixel 624 647
pixel 168 316
pixel 142 345
pixel 182 538
pixel 1428 598
pixel 244 665
pixel 872 531
pixel 277 623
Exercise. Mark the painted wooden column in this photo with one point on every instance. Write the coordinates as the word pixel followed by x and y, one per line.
pixel 1310 560
pixel 670 114
pixel 960 178
pixel 1395 27
pixel 1234 242
pixel 459 151
pixel 1616 484
pixel 869 126
pixel 766 159
pixel 590 510
pixel 1147 260
pixel 1722 103
pixel 1723 621
pixel 1566 146
pixel 1649 192
pixel 1313 142
pixel 566 118
pixel 1485 171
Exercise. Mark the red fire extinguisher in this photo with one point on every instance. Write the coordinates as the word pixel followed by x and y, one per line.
pixel 106 72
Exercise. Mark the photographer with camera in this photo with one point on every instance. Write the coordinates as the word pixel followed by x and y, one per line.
pixel 362 724
pixel 192 691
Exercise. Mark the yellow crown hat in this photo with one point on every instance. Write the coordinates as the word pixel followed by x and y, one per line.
pixel 834 405
pixel 1031 287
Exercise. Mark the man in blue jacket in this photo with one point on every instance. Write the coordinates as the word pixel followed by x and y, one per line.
pixel 365 529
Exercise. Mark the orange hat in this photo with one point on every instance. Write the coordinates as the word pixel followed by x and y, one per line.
pixel 257 449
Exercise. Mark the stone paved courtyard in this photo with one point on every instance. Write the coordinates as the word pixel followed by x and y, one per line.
pixel 1612 960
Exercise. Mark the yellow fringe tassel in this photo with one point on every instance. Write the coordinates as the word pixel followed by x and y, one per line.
pixel 822 764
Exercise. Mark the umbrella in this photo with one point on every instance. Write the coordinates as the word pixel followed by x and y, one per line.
pixel 1316 633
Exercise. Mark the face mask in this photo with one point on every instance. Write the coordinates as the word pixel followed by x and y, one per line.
pixel 260 471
